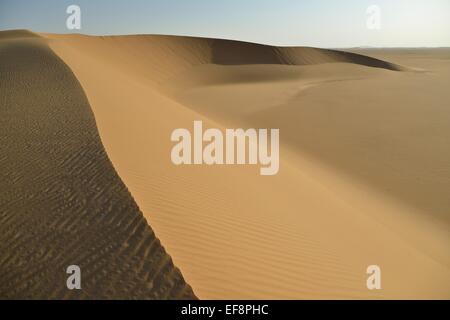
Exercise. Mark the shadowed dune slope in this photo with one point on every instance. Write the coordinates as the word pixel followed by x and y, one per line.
pixel 228 52
pixel 61 201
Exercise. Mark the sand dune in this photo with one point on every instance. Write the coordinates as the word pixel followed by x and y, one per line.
pixel 228 52
pixel 363 174
pixel 61 201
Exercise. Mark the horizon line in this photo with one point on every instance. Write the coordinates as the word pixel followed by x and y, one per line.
pixel 219 38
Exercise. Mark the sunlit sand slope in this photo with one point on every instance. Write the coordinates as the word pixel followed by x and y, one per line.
pixel 61 201
pixel 363 169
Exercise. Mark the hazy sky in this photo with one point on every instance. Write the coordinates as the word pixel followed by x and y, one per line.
pixel 321 23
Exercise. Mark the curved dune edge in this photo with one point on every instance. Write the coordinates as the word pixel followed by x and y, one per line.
pixel 62 203
pixel 309 232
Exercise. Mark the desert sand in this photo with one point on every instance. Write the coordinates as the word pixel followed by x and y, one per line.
pixel 364 168
pixel 61 201
pixel 364 171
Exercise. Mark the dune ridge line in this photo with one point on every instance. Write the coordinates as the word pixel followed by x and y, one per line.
pixel 61 201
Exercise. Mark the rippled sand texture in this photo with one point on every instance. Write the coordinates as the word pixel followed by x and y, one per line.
pixel 61 201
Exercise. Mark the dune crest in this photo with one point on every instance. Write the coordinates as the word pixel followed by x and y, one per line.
pixel 61 201
pixel 166 56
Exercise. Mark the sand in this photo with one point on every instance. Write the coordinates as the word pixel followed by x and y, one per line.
pixel 363 174
pixel 362 180
pixel 61 201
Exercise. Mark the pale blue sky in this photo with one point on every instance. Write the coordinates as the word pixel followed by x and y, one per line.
pixel 321 23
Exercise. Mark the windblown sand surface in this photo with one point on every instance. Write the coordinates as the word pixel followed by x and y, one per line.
pixel 364 173
pixel 61 201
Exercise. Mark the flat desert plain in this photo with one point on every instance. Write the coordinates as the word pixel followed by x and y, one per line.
pixel 364 162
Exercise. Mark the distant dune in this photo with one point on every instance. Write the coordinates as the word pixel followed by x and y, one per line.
pixel 61 201
pixel 363 178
